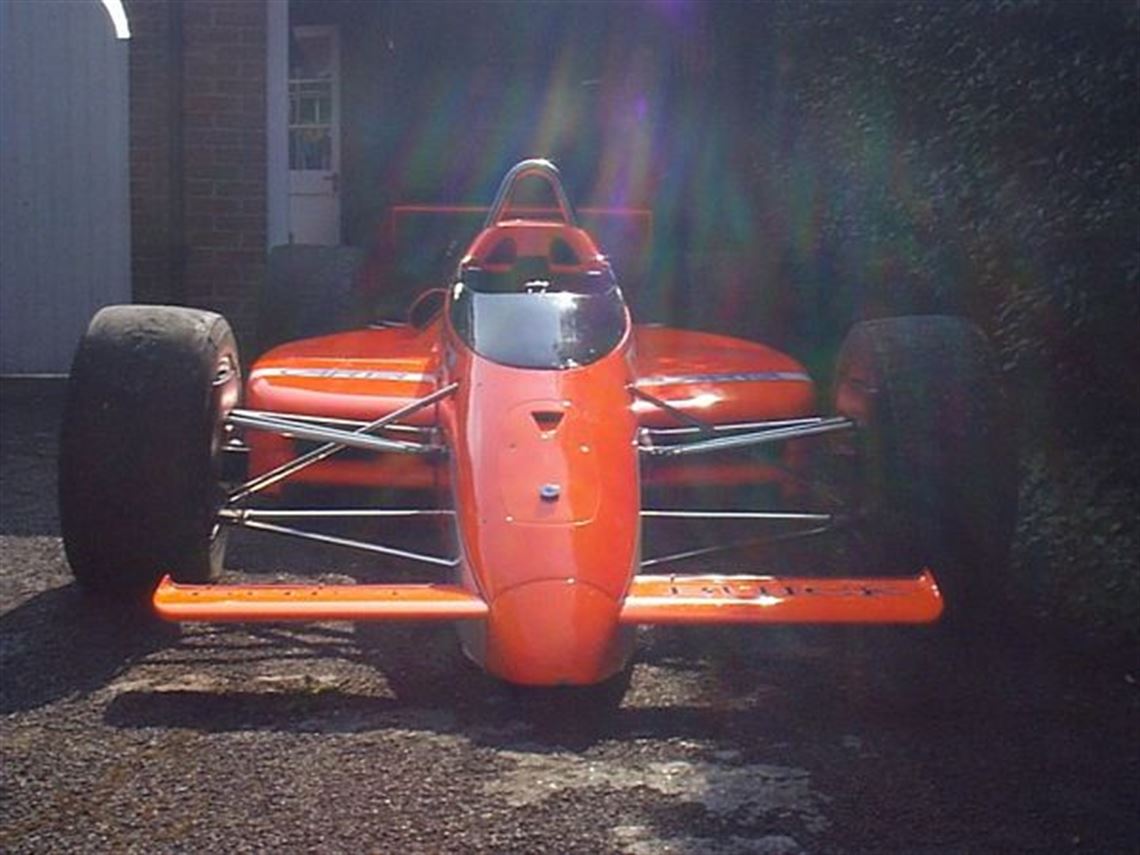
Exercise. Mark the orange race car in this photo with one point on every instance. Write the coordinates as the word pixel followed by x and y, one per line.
pixel 525 396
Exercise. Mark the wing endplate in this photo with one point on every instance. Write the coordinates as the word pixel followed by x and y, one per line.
pixel 222 603
pixel 771 599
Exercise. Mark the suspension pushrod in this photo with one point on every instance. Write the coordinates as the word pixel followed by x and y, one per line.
pixel 791 516
pixel 722 443
pixel 236 520
pixel 318 454
pixel 348 439
pixel 329 421
pixel 329 513
pixel 735 426
pixel 680 415
pixel 740 544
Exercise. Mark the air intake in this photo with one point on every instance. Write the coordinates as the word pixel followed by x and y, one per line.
pixel 547 420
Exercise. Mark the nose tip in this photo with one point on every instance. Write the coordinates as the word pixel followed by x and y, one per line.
pixel 555 632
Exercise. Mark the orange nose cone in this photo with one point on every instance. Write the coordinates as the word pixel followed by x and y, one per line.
pixel 555 632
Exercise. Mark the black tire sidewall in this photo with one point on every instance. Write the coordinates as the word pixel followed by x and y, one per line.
pixel 936 471
pixel 140 447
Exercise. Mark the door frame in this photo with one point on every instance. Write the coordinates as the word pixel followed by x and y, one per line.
pixel 277 123
pixel 333 34
pixel 278 35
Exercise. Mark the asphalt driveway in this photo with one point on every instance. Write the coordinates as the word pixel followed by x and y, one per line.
pixel 119 733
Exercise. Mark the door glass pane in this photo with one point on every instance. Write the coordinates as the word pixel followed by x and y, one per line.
pixel 310 102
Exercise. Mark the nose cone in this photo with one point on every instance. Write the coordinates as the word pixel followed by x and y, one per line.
pixel 555 632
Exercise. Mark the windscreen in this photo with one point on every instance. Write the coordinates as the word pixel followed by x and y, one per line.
pixel 554 329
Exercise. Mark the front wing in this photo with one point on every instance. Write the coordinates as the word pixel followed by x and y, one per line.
pixel 663 599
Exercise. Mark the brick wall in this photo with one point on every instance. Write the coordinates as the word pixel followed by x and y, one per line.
pixel 198 182
pixel 154 242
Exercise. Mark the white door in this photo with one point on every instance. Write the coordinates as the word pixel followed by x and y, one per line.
pixel 314 136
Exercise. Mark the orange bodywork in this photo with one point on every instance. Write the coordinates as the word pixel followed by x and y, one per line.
pixel 315 602
pixel 543 468
pixel 553 570
pixel 365 374
pixel 771 599
pixel 359 375
pixel 650 600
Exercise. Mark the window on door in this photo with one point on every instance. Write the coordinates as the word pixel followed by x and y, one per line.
pixel 314 136
pixel 312 80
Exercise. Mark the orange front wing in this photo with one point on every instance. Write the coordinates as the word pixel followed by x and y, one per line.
pixel 651 600
pixel 176 602
pixel 768 599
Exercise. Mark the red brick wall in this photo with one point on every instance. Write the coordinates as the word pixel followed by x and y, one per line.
pixel 198 182
pixel 154 242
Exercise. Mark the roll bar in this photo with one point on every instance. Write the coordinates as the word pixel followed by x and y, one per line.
pixel 525 169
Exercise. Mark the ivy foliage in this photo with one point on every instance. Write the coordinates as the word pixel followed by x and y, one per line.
pixel 978 158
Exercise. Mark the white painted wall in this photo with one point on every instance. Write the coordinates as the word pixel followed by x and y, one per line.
pixel 64 178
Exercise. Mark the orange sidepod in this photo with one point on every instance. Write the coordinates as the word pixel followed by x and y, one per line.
pixel 716 378
pixel 359 375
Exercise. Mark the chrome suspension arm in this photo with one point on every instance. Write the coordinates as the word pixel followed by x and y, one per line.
pixel 762 437
pixel 331 447
pixel 244 519
pixel 347 439
pixel 771 516
pixel 729 547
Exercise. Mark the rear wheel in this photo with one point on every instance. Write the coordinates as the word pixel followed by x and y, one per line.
pixel 140 448
pixel 935 475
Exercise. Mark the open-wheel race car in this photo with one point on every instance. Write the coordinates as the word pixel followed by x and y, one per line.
pixel 524 396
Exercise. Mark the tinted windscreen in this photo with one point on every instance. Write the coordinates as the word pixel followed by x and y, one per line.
pixel 540 330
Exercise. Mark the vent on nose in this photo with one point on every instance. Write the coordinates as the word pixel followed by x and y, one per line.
pixel 547 420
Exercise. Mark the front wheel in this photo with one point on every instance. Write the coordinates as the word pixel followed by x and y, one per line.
pixel 935 480
pixel 140 447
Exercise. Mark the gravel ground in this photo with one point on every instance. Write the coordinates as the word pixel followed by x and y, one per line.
pixel 122 734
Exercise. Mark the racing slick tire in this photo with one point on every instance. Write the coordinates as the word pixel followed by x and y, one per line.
pixel 140 448
pixel 935 480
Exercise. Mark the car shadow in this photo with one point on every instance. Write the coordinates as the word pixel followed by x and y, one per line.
pixel 840 677
pixel 426 685
pixel 499 724
pixel 30 412
pixel 61 643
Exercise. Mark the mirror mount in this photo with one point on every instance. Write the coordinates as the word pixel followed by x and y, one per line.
pixel 426 306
